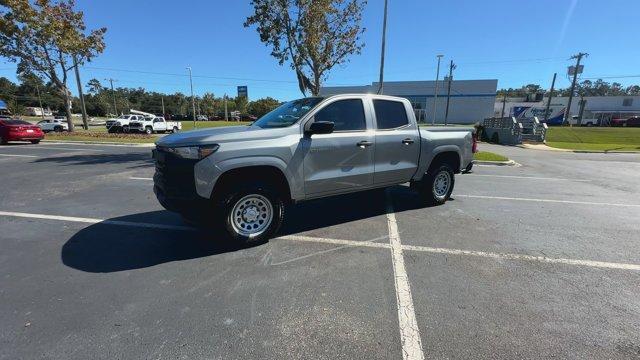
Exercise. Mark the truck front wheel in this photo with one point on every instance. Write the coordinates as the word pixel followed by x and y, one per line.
pixel 437 185
pixel 148 130
pixel 253 213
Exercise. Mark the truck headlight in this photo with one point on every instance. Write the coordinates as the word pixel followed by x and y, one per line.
pixel 194 152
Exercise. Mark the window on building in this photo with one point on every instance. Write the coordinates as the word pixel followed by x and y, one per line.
pixel 627 102
pixel 347 115
pixel 390 114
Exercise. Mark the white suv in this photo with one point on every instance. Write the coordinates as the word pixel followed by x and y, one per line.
pixel 56 125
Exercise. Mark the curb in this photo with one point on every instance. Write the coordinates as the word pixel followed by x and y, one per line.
pixel 545 147
pixel 496 163
pixel 104 143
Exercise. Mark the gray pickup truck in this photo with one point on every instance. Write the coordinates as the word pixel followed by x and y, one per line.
pixel 243 177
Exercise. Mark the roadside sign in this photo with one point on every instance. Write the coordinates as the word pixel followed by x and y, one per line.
pixel 243 91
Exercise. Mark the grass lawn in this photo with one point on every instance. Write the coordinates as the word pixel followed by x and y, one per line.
pixel 599 139
pixel 188 125
pixel 488 156
pixel 99 133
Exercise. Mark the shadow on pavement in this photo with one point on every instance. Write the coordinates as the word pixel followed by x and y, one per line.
pixel 104 247
pixel 144 159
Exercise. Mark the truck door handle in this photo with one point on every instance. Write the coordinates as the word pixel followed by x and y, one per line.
pixel 363 144
pixel 408 141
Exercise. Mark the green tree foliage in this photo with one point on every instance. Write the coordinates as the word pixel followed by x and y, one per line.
pixel 583 88
pixel 263 106
pixel 312 36
pixel 43 36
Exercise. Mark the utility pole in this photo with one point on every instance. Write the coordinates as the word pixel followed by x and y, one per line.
pixel 85 122
pixel 40 101
pixel 504 104
pixel 435 92
pixel 384 38
pixel 452 66
pixel 193 99
pixel 113 94
pixel 162 100
pixel 546 111
pixel 578 57
pixel 226 114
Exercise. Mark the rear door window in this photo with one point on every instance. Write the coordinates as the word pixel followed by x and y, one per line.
pixel 390 114
pixel 347 115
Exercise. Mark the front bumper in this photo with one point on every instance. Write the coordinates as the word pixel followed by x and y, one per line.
pixel 174 183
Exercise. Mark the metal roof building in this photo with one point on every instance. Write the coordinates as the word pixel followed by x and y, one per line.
pixel 471 100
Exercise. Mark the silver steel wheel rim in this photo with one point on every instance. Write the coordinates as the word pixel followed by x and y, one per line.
pixel 252 215
pixel 442 184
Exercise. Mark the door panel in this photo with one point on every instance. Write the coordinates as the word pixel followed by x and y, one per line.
pixel 335 162
pixel 397 143
pixel 341 161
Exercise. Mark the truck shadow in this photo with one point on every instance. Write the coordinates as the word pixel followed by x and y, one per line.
pixel 112 246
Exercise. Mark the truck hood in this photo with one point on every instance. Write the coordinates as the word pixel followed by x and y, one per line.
pixel 215 136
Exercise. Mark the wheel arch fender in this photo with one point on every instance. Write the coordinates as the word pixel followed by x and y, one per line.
pixel 207 174
pixel 439 151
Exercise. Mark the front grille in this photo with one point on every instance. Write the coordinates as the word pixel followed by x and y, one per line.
pixel 174 175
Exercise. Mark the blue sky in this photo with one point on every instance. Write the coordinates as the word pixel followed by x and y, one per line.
pixel 518 42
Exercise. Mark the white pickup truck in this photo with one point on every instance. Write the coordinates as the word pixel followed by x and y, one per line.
pixel 121 124
pixel 154 125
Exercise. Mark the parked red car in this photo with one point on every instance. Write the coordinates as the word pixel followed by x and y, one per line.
pixel 19 130
pixel 633 121
pixel 618 122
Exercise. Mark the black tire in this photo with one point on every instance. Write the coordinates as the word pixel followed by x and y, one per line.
pixel 427 186
pixel 35 141
pixel 58 129
pixel 125 129
pixel 148 130
pixel 175 129
pixel 3 141
pixel 235 197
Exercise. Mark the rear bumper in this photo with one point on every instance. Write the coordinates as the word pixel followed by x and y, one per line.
pixel 24 136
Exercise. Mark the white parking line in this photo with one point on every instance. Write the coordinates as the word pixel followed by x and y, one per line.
pixel 351 243
pixel 529 177
pixel 589 263
pixel 335 241
pixel 96 221
pixel 141 178
pixel 16 155
pixel 409 332
pixel 546 200
pixel 49 147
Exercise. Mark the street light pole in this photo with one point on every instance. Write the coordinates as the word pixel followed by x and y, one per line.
pixel 452 66
pixel 193 99
pixel 384 38
pixel 113 94
pixel 435 92
pixel 79 83
pixel 40 101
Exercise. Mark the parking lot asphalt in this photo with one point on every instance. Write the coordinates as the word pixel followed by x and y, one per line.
pixel 538 260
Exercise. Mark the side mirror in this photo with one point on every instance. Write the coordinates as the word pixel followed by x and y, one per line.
pixel 320 127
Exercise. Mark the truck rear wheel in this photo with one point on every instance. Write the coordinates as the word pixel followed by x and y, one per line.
pixel 437 185
pixel 252 213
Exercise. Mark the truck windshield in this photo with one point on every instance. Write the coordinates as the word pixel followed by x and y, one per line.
pixel 287 114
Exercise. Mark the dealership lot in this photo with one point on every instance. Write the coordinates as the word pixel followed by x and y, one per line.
pixel 533 261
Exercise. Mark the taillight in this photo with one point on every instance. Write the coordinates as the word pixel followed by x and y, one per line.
pixel 474 144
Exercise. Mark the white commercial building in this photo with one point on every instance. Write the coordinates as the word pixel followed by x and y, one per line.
pixel 604 108
pixel 470 102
